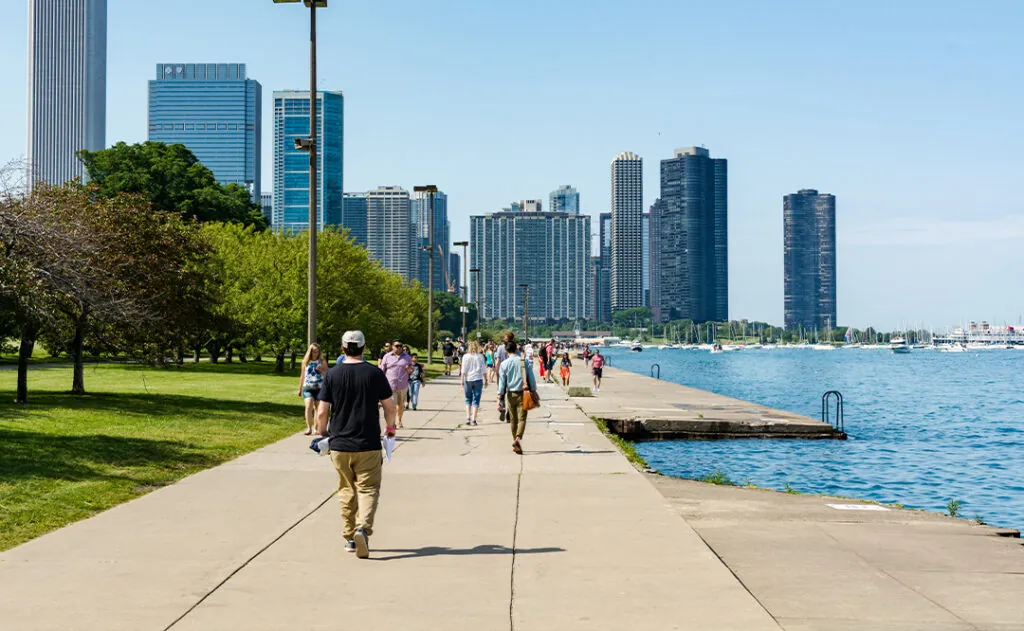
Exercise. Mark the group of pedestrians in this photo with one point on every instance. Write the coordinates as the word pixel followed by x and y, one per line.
pixel 344 403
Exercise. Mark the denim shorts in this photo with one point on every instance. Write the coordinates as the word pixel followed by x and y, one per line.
pixel 310 394
pixel 474 390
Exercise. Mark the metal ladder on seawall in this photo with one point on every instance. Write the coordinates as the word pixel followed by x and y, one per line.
pixel 826 410
pixel 658 375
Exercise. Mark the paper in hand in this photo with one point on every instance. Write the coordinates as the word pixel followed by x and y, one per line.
pixel 387 443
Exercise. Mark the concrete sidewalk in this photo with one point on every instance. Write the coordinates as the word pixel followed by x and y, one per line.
pixel 469 536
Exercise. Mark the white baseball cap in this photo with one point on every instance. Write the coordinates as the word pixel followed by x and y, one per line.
pixel 353 337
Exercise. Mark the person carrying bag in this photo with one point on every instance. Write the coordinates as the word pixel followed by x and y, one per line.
pixel 518 386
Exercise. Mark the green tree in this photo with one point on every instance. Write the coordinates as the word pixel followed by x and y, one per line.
pixel 172 179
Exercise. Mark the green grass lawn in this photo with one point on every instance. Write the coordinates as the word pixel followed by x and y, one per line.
pixel 65 458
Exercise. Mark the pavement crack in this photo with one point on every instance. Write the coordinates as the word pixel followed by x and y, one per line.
pixel 515 535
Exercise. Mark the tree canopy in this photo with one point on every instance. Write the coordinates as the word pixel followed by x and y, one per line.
pixel 172 179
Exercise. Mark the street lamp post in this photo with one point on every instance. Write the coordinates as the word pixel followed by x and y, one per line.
pixel 430 189
pixel 310 145
pixel 479 297
pixel 526 311
pixel 465 302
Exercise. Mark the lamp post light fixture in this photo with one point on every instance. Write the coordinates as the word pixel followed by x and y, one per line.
pixel 526 311
pixel 310 145
pixel 430 189
pixel 465 303
pixel 479 297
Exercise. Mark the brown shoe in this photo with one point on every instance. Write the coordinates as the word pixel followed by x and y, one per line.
pixel 516 447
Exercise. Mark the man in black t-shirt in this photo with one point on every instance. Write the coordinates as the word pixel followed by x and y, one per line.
pixel 354 389
pixel 448 353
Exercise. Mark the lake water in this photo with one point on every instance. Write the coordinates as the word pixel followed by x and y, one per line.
pixel 925 428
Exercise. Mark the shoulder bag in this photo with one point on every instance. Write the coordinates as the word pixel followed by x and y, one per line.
pixel 530 399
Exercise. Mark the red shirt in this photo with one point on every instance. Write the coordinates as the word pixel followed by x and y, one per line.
pixel 598 361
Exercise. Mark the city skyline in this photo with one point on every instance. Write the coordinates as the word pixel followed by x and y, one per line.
pixel 900 208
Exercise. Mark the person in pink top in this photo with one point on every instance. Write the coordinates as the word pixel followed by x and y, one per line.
pixel 597 366
pixel 397 366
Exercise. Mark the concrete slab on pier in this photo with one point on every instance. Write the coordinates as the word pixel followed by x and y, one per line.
pixel 643 408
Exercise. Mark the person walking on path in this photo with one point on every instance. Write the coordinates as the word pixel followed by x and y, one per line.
pixel 551 355
pixel 597 366
pixel 473 374
pixel 489 358
pixel 448 354
pixel 500 355
pixel 565 368
pixel 586 355
pixel 542 353
pixel 354 389
pixel 397 366
pixel 515 376
pixel 416 381
pixel 311 379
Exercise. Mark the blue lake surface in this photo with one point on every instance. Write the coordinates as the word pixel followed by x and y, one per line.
pixel 925 428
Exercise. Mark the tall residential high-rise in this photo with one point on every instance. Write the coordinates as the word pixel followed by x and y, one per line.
pixel 645 257
pixel 627 220
pixel 455 273
pixel 291 165
pixel 353 216
pixel 67 86
pixel 267 205
pixel 809 237
pixel 515 248
pixel 442 240
pixel 565 200
pixel 693 234
pixel 215 111
pixel 593 287
pixel 389 235
pixel 603 287
pixel 654 263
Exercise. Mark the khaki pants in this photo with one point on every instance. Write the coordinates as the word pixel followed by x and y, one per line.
pixel 516 413
pixel 401 397
pixel 359 475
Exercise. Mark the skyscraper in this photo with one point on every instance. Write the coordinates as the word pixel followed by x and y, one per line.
pixel 67 86
pixel 455 273
pixel 215 111
pixel 267 206
pixel 513 248
pixel 627 214
pixel 389 236
pixel 442 240
pixel 291 166
pixel 353 216
pixel 654 264
pixel 693 234
pixel 809 247
pixel 603 288
pixel 645 257
pixel 565 200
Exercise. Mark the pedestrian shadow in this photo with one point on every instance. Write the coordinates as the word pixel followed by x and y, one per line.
pixel 433 551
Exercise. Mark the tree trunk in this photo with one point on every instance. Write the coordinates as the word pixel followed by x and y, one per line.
pixel 28 343
pixel 279 363
pixel 259 356
pixel 196 354
pixel 294 357
pixel 77 353
pixel 214 347
pixel 180 356
pixel 241 356
pixel 229 357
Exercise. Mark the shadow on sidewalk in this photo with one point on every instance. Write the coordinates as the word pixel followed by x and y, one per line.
pixel 582 452
pixel 431 551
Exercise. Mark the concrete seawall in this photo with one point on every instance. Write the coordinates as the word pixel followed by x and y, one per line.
pixel 642 408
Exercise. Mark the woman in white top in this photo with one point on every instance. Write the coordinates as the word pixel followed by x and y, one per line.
pixel 473 374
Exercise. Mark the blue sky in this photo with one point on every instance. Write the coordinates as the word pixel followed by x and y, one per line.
pixel 909 112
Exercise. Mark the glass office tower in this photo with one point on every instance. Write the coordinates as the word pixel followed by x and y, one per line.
pixel 291 166
pixel 215 111
pixel 565 200
pixel 420 202
pixel 627 227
